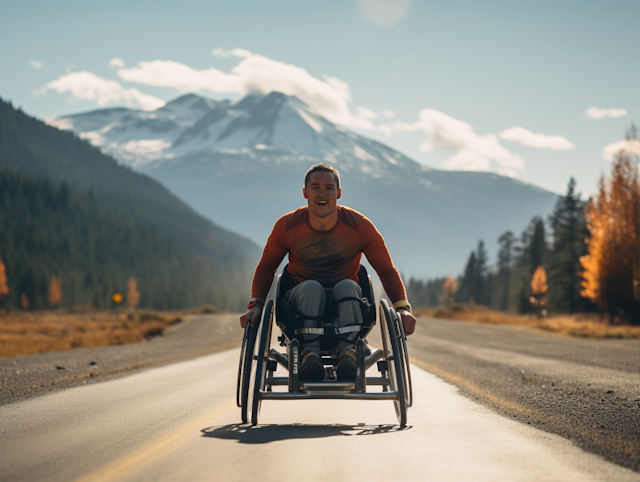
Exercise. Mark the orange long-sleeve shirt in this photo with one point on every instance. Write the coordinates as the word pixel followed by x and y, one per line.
pixel 327 256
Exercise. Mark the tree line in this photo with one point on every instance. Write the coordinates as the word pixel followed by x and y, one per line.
pixel 584 257
pixel 59 246
pixel 75 226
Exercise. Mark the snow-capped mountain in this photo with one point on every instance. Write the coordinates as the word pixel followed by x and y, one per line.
pixel 242 165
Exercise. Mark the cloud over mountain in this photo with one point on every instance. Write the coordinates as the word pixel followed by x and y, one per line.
pixel 539 141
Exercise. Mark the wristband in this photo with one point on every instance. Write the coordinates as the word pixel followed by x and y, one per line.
pixel 254 302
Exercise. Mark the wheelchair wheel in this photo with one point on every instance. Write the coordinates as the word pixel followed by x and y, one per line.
pixel 406 365
pixel 259 363
pixel 244 370
pixel 395 361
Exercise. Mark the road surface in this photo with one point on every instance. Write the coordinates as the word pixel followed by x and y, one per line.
pixel 180 422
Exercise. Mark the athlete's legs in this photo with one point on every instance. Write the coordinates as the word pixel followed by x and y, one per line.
pixel 308 298
pixel 349 312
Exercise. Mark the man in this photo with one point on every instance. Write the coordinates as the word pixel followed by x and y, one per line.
pixel 325 243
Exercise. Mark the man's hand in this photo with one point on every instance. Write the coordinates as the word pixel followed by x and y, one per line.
pixel 408 322
pixel 252 316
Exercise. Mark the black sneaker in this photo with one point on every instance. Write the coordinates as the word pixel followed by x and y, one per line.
pixel 346 367
pixel 311 367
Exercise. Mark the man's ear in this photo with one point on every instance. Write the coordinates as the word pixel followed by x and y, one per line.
pixel 304 193
pixel 339 194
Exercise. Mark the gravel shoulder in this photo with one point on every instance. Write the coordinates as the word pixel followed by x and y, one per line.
pixel 585 390
pixel 34 375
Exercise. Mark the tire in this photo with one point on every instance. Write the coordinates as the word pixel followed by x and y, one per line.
pixel 406 366
pixel 395 361
pixel 258 363
pixel 244 370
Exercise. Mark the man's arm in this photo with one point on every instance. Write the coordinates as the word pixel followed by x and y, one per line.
pixel 272 255
pixel 375 249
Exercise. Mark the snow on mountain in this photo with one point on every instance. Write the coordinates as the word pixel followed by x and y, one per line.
pixel 242 165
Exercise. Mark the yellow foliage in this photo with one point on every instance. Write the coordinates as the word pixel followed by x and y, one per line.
pixel 450 287
pixel 132 293
pixel 55 291
pixel 612 266
pixel 4 288
pixel 24 301
pixel 539 282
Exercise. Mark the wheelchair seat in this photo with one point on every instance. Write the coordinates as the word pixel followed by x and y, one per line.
pixel 289 321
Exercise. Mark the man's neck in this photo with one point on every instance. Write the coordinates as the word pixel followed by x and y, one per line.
pixel 323 224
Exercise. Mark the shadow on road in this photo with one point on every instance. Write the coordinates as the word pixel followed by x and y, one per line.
pixel 262 434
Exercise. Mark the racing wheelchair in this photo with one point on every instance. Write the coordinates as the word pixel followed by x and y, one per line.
pixel 259 361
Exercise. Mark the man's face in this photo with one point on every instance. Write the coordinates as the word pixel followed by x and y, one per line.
pixel 321 193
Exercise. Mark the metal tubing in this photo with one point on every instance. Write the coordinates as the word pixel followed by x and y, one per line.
pixel 337 395
pixel 285 381
pixel 374 357
pixel 280 358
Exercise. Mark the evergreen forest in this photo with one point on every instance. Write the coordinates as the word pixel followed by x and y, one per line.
pixel 70 212
pixel 584 257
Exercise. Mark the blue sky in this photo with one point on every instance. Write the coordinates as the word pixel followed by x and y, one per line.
pixel 535 90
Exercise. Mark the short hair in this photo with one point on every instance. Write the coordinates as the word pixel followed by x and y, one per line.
pixel 322 167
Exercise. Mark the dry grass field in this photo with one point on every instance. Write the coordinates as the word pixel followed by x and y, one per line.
pixel 23 333
pixel 585 325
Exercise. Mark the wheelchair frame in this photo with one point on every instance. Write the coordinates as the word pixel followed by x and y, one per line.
pixel 258 362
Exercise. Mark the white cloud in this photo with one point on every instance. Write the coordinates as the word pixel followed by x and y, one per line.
pixel 384 12
pixel 387 114
pixel 474 152
pixel 36 64
pixel 597 113
pixel 254 73
pixel 116 62
pixel 220 52
pixel 631 147
pixel 88 86
pixel 539 141
pixel 365 113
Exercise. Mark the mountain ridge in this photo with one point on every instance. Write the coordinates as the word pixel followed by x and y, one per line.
pixel 246 161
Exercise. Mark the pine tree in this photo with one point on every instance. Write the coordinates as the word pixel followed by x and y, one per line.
pixel 505 260
pixel 569 232
pixel 481 294
pixel 468 283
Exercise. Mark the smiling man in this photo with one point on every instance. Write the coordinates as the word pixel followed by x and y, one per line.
pixel 325 243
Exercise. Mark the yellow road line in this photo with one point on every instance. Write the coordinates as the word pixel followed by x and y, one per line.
pixel 156 449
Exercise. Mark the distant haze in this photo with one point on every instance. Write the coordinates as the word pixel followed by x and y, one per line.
pixel 242 165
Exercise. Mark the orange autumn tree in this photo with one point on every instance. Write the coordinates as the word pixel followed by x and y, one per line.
pixel 449 287
pixel 24 301
pixel 612 266
pixel 132 293
pixel 55 291
pixel 539 288
pixel 4 286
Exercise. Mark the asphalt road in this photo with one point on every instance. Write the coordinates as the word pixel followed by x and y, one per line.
pixel 180 422
pixel 587 391
pixel 498 396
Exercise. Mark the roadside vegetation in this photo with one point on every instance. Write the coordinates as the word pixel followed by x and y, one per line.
pixel 576 271
pixel 28 332
pixel 581 325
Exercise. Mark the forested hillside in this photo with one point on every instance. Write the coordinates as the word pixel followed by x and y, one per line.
pixel 69 211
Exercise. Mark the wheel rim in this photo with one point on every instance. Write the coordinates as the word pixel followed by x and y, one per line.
pixel 395 369
pixel 245 396
pixel 258 365
pixel 241 364
pixel 407 368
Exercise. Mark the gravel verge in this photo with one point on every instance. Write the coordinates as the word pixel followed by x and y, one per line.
pixel 585 390
pixel 34 375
